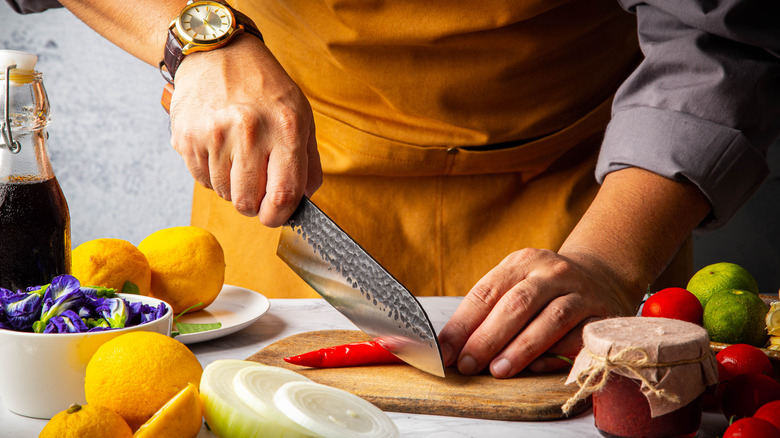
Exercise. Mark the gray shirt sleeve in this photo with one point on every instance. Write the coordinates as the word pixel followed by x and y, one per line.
pixel 31 6
pixel 704 105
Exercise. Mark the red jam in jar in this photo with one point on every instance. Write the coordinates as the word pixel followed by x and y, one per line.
pixel 621 410
pixel 646 375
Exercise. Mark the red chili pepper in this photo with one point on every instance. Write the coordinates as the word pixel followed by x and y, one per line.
pixel 357 353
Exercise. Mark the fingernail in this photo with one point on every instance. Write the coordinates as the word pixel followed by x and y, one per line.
pixel 467 365
pixel 446 354
pixel 501 367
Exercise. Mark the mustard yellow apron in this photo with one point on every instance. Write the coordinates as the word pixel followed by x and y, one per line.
pixel 450 134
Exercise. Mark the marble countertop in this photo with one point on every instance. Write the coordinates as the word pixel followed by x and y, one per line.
pixel 290 316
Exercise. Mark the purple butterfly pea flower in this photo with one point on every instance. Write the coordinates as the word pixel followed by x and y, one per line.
pixel 3 320
pixel 62 294
pixel 153 312
pixel 66 322
pixel 20 309
pixel 115 311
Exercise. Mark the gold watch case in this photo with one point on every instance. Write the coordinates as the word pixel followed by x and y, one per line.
pixel 205 25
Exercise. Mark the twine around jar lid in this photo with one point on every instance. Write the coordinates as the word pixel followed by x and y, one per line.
pixel 672 360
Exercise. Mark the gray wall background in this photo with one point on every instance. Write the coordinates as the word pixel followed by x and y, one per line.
pixel 109 145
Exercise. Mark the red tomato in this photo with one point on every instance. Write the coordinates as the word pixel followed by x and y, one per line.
pixel 742 358
pixel 675 303
pixel 712 397
pixel 751 428
pixel 724 375
pixel 745 393
pixel 770 412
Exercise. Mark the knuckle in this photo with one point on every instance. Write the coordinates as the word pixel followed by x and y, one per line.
pixel 517 302
pixel 290 125
pixel 560 315
pixel 280 199
pixel 248 123
pixel 246 207
pixel 221 185
pixel 485 342
pixel 561 268
pixel 522 346
pixel 482 295
pixel 526 257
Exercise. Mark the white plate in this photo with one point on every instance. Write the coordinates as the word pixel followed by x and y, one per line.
pixel 235 308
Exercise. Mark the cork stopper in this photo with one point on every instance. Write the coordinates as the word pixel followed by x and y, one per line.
pixel 671 358
pixel 24 71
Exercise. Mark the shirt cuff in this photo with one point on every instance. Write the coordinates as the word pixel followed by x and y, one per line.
pixel 719 160
pixel 32 6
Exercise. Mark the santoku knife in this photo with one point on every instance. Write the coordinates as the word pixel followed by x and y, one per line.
pixel 348 278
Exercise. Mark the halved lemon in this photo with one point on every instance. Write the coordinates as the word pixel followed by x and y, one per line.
pixel 180 416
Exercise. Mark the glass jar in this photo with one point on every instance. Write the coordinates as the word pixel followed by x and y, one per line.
pixel 34 218
pixel 620 409
pixel 646 375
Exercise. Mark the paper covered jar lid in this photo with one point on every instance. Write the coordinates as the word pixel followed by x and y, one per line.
pixel 672 359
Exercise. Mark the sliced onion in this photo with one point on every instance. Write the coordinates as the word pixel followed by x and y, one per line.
pixel 226 414
pixel 256 387
pixel 329 412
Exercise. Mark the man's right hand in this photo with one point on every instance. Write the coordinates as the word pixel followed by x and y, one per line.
pixel 245 129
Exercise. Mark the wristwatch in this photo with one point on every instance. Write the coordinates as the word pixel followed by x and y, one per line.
pixel 203 25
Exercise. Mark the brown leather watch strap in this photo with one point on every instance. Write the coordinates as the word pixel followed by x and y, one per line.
pixel 248 24
pixel 173 55
pixel 243 20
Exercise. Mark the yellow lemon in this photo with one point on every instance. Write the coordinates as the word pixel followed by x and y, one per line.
pixel 773 326
pixel 181 416
pixel 111 263
pixel 136 373
pixel 774 343
pixel 773 319
pixel 188 266
pixel 86 421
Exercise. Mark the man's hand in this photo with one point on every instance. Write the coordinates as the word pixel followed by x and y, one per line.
pixel 537 301
pixel 245 129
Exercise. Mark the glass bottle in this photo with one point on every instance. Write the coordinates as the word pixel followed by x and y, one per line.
pixel 34 217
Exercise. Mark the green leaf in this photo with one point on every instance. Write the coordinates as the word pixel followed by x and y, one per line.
pixel 184 328
pixel 130 288
pixel 558 356
pixel 186 310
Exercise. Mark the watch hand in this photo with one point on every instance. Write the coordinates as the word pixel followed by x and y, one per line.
pixel 205 19
pixel 206 22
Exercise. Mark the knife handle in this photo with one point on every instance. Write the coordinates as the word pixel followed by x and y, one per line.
pixel 165 99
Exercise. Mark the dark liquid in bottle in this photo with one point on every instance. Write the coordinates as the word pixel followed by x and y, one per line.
pixel 34 233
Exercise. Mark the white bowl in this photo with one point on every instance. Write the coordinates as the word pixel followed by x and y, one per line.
pixel 41 374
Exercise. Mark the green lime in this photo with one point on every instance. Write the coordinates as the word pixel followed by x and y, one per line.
pixel 735 316
pixel 718 276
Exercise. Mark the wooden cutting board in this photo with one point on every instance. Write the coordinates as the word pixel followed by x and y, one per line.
pixel 402 388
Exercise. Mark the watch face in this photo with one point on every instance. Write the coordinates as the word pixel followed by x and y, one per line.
pixel 205 22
